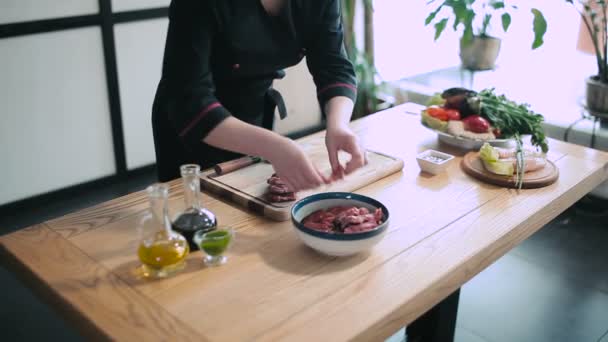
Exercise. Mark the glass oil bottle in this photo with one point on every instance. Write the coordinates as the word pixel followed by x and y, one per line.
pixel 194 218
pixel 161 250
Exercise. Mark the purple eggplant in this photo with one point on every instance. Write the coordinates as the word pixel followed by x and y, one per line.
pixel 463 100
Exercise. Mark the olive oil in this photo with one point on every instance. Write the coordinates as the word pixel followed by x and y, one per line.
pixel 161 250
pixel 164 255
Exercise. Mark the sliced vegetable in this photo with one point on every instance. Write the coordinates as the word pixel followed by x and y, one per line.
pixel 503 168
pixel 476 124
pixel 490 159
pixel 434 123
pixel 438 112
pixel 488 153
pixel 453 114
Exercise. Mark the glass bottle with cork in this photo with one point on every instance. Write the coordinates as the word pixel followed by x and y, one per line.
pixel 194 218
pixel 161 250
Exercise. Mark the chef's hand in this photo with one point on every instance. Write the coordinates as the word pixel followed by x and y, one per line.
pixel 342 138
pixel 293 166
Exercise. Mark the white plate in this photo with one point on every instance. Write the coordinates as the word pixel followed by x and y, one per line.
pixel 469 144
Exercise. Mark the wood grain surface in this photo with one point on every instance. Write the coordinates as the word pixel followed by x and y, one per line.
pixel 412 281
pixel 473 166
pixel 444 230
pixel 247 186
pixel 91 290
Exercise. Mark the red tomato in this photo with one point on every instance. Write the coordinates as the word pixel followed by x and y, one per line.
pixel 438 113
pixel 453 114
pixel 476 123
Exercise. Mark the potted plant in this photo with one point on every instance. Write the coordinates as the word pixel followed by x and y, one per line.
pixel 593 15
pixel 368 89
pixel 478 48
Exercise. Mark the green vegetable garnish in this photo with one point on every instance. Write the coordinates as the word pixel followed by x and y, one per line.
pixel 490 158
pixel 519 181
pixel 511 118
pixel 488 153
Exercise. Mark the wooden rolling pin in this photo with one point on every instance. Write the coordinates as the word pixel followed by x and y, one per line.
pixel 236 164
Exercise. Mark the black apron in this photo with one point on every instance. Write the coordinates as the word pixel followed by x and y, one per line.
pixel 172 152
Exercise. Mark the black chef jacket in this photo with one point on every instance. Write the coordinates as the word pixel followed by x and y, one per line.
pixel 221 57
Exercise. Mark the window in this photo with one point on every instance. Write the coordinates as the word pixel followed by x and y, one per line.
pixel 405 47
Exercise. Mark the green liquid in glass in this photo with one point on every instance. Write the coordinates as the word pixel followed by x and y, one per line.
pixel 215 243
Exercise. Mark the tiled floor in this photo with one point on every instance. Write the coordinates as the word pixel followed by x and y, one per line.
pixel 552 287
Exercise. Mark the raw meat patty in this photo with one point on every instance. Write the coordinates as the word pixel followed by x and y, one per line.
pixel 344 220
pixel 278 191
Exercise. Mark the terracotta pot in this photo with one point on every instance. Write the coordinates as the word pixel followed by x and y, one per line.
pixel 480 53
pixel 597 97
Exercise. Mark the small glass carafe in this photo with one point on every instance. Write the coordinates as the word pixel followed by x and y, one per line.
pixel 194 218
pixel 161 250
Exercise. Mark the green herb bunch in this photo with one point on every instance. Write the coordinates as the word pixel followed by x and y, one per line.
pixel 512 119
pixel 521 162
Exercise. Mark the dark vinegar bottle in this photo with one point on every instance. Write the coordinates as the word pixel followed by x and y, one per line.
pixel 194 218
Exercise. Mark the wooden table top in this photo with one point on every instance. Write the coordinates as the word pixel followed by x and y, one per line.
pixel 444 230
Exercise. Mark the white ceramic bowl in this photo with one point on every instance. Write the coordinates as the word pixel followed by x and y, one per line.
pixel 434 162
pixel 336 244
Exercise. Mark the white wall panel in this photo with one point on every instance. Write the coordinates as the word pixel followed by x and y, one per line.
pixel 26 10
pixel 139 49
pixel 55 125
pixel 129 5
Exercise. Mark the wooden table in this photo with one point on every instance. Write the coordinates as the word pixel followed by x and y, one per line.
pixel 444 230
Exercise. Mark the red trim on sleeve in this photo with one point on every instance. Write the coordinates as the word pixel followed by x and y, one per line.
pixel 333 85
pixel 199 117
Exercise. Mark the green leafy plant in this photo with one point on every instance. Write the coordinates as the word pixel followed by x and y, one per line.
pixel 368 88
pixel 597 27
pixel 464 13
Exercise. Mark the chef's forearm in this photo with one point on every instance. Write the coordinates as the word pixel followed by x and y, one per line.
pixel 237 136
pixel 338 110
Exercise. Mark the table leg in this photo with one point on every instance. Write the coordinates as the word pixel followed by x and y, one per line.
pixel 438 324
pixel 570 127
pixel 597 118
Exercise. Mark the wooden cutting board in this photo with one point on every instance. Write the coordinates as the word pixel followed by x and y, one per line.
pixel 246 187
pixel 473 166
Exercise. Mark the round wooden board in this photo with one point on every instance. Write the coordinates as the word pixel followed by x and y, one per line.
pixel 472 165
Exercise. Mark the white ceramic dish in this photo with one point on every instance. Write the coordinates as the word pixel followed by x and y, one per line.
pixel 469 144
pixel 437 166
pixel 335 244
